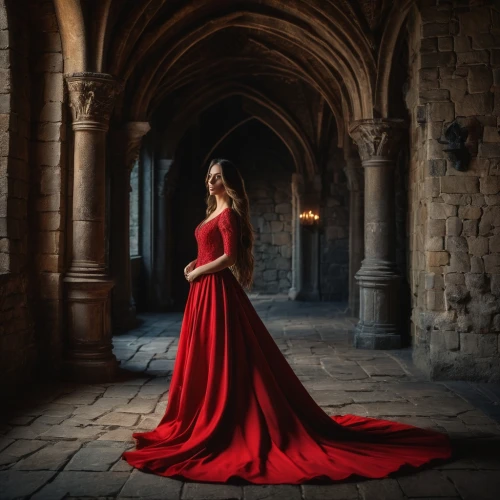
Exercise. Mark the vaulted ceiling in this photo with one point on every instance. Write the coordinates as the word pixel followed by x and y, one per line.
pixel 306 62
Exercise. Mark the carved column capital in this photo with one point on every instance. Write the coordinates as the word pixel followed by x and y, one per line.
pixel 92 97
pixel 126 142
pixel 377 138
pixel 355 174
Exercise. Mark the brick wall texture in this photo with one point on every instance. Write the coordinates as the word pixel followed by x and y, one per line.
pixel 271 211
pixel 31 190
pixel 455 216
pixel 49 193
pixel 17 338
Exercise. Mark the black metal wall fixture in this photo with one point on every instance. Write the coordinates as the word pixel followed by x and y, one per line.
pixel 456 136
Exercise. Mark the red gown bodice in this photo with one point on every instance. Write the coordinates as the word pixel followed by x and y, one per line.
pixel 216 237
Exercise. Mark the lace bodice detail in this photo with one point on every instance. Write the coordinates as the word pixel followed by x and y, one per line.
pixel 216 237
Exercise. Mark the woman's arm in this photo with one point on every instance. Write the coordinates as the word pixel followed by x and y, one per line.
pixel 216 265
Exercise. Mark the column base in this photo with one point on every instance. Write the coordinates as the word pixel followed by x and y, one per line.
pixel 377 327
pixel 89 355
pixel 366 340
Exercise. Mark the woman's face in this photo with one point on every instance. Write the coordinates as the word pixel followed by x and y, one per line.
pixel 214 180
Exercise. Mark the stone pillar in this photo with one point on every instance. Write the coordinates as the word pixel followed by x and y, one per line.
pixel 297 193
pixel 126 144
pixel 378 278
pixel 89 357
pixel 356 183
pixel 162 238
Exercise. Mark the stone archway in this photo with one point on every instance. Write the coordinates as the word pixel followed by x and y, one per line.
pixel 271 114
pixel 346 55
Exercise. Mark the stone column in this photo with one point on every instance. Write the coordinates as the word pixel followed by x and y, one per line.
pixel 378 278
pixel 297 193
pixel 89 357
pixel 126 144
pixel 356 183
pixel 162 240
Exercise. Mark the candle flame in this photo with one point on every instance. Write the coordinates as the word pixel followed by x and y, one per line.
pixel 309 217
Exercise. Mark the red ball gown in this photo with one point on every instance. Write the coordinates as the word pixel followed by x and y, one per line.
pixel 236 409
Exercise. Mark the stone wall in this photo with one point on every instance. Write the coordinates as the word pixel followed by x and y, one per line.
pixel 34 185
pixel 49 182
pixel 17 339
pixel 417 207
pixel 455 243
pixel 271 211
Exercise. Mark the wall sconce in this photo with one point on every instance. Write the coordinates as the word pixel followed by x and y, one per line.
pixel 309 218
pixel 455 137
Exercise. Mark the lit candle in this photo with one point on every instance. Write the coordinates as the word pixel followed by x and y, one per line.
pixel 309 217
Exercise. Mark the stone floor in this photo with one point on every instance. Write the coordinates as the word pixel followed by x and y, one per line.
pixel 65 440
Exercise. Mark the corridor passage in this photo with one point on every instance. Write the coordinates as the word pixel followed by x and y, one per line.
pixel 65 440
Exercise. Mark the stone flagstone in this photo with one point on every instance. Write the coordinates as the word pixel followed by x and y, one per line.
pixel 96 456
pixel 147 486
pixel 272 492
pixel 200 491
pixel 19 449
pixel 83 484
pixel 52 457
pixel 15 484
pixel 117 418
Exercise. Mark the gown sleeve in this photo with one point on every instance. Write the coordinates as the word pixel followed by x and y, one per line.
pixel 228 227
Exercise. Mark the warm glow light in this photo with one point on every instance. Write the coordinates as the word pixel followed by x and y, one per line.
pixel 308 217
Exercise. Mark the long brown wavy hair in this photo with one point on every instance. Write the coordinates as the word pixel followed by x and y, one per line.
pixel 238 199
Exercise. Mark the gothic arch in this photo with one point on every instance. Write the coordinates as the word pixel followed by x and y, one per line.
pixel 331 46
pixel 73 37
pixel 224 136
pixel 334 26
pixel 339 67
pixel 284 139
pixel 268 112
pixel 213 80
pixel 387 50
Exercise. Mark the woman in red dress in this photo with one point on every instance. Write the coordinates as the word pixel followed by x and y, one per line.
pixel 236 409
